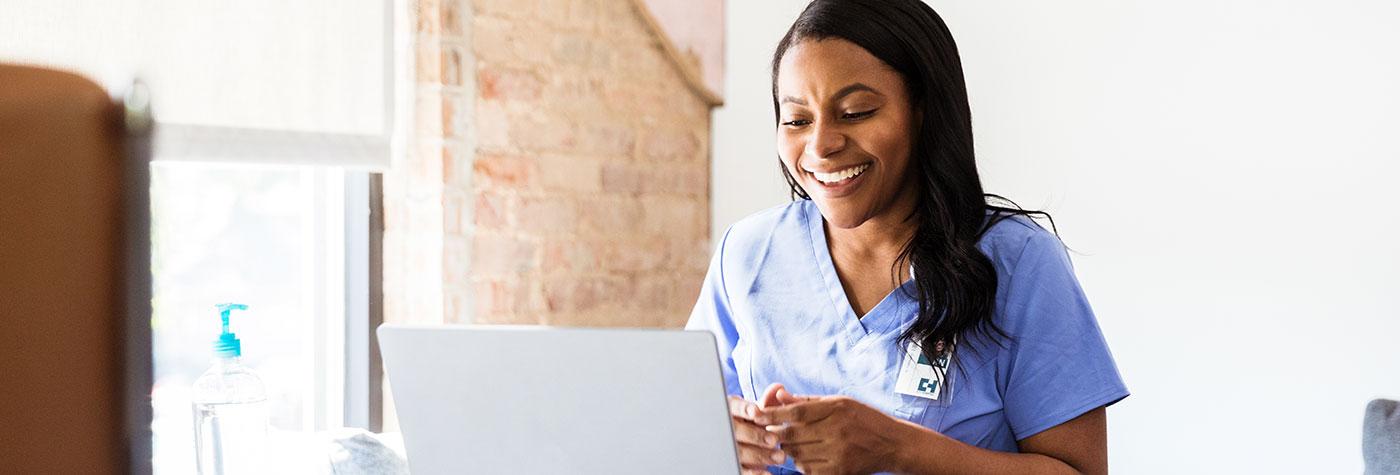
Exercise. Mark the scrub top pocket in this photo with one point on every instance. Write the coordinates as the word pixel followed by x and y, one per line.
pixel 922 411
pixel 912 408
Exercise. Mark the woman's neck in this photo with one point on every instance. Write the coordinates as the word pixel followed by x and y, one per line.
pixel 876 242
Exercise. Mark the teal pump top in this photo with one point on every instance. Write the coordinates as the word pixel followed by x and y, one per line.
pixel 228 346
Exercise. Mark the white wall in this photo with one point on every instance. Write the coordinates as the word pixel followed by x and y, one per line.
pixel 744 154
pixel 1227 170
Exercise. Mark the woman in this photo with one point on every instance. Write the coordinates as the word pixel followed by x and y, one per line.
pixel 891 319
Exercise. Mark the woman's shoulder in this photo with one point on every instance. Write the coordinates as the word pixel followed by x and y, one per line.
pixel 763 226
pixel 1013 238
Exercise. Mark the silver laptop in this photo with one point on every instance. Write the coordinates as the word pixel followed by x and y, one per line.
pixel 538 400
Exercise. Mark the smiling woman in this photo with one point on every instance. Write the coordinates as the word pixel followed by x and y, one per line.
pixel 929 326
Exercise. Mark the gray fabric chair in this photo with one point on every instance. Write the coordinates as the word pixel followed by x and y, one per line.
pixel 1380 437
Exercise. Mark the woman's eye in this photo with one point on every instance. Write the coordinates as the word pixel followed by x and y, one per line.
pixel 857 115
pixel 797 122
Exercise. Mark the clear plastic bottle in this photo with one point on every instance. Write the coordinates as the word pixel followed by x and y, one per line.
pixel 230 410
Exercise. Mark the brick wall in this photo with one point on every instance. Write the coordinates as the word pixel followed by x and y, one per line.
pixel 559 171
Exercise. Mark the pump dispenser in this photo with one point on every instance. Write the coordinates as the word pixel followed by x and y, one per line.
pixel 228 345
pixel 230 409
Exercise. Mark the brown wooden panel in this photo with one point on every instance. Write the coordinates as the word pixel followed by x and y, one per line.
pixel 61 250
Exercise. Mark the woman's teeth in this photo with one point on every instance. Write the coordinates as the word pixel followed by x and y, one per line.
pixel 840 175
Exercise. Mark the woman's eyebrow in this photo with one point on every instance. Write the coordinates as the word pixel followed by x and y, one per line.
pixel 845 91
pixel 848 90
pixel 792 100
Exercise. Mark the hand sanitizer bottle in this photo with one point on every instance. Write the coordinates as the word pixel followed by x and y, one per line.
pixel 230 410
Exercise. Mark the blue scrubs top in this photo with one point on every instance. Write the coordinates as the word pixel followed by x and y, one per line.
pixel 780 315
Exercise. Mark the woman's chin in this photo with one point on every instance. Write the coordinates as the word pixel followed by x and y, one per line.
pixel 841 216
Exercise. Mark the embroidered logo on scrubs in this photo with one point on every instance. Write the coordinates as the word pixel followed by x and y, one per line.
pixel 920 377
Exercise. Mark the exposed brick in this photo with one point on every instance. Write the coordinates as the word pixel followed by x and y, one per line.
pixel 548 216
pixel 492 127
pixel 454 115
pixel 451 64
pixel 456 165
pixel 567 254
pixel 554 13
pixel 675 216
pixel 452 18
pixel 571 294
pixel 425 167
pixel 691 181
pixel 582 198
pixel 456 260
pixel 457 305
pixel 619 20
pixel 622 177
pixel 492 300
pixel 496 40
pixel 584 14
pixel 529 298
pixel 635 255
pixel 544 136
pixel 512 9
pixel 684 293
pixel 669 145
pixel 569 174
pixel 492 211
pixel 508 84
pixel 654 291
pixel 643 56
pixel 452 224
pixel 608 140
pixel 686 255
pixel 499 172
pixel 429 62
pixel 498 255
pixel 427 116
pixel 619 291
pixel 426 16
pixel 610 217
pixel 655 178
pixel 576 50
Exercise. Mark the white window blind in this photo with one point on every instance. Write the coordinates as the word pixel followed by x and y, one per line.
pixel 303 81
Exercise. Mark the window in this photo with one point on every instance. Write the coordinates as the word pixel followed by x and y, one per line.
pixel 270 116
pixel 272 237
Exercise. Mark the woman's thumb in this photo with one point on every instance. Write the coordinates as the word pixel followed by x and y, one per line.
pixel 770 397
pixel 785 397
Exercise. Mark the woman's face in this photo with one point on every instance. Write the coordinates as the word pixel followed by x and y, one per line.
pixel 845 129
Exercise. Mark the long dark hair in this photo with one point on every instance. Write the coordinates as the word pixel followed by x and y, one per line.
pixel 956 282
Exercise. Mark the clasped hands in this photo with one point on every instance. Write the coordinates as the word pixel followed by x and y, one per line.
pixel 823 434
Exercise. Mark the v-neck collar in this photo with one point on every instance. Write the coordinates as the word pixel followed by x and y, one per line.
pixel 884 316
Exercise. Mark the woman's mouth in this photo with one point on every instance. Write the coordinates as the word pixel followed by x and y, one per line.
pixel 839 182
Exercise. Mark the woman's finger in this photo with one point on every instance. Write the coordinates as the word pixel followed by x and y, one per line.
pixel 809 451
pixel 795 434
pixel 785 397
pixel 753 456
pixel 814 467
pixel 770 396
pixel 742 409
pixel 805 412
pixel 749 433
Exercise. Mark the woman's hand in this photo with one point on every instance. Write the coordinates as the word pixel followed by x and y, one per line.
pixel 833 434
pixel 757 447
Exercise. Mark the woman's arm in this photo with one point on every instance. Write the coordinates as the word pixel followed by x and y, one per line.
pixel 837 434
pixel 1079 445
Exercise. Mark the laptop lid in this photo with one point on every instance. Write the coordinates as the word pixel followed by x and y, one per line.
pixel 498 399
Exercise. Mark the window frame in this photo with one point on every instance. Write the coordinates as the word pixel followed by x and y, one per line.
pixel 347 382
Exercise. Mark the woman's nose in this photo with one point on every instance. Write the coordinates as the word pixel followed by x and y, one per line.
pixel 825 141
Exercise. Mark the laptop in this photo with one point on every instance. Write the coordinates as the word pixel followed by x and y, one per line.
pixel 540 400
